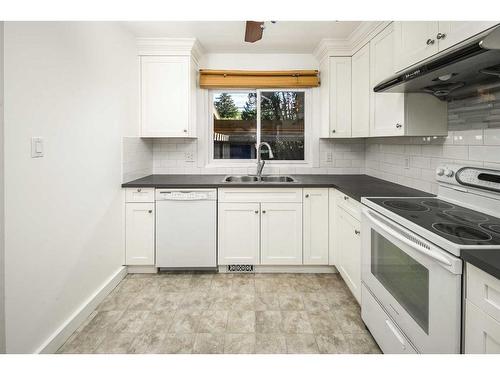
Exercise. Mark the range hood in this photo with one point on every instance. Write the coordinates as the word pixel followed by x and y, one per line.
pixel 468 69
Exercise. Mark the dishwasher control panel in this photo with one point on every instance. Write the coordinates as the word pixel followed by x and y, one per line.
pixel 186 195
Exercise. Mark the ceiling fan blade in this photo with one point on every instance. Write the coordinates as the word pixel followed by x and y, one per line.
pixel 253 31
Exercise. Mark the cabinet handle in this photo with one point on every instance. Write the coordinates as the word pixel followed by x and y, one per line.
pixel 264 211
pixel 441 35
pixel 150 211
pixel 333 131
pixel 430 41
pixel 307 195
pixel 356 231
pixel 256 211
pixel 398 125
pixel 139 190
pixel 346 197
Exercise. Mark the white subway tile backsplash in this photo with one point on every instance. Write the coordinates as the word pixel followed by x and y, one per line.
pixel 485 153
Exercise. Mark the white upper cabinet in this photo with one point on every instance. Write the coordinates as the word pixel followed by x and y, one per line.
pixel 417 40
pixel 396 114
pixel 337 99
pixel 453 32
pixel 414 41
pixel 387 114
pixel 316 226
pixel 168 96
pixel 361 92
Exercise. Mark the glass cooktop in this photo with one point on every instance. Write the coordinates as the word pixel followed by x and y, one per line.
pixel 457 224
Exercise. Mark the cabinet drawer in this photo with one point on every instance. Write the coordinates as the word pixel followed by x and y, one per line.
pixel 352 206
pixel 140 195
pixel 387 334
pixel 484 291
pixel 482 332
pixel 272 195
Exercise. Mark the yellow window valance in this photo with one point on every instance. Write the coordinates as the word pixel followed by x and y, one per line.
pixel 224 79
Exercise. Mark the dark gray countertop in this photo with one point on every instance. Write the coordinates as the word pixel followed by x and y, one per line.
pixel 487 260
pixel 353 185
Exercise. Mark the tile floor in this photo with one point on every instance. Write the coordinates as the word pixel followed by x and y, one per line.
pixel 225 313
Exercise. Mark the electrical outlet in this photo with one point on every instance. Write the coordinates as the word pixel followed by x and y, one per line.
pixel 329 157
pixel 407 162
pixel 188 156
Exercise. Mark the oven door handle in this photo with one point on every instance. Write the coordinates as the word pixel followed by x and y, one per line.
pixel 374 218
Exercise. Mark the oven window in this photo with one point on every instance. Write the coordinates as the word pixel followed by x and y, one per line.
pixel 403 277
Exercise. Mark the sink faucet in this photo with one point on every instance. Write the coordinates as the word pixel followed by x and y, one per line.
pixel 261 163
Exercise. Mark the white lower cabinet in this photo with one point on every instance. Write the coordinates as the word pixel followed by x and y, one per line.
pixel 348 249
pixel 316 226
pixel 281 233
pixel 482 332
pixel 482 312
pixel 239 233
pixel 139 234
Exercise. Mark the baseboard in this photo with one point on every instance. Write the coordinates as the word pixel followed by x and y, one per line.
pixel 72 324
pixel 142 269
pixel 288 269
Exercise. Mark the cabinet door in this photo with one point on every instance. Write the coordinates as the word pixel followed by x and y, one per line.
pixel 387 109
pixel 361 92
pixel 414 42
pixel 340 97
pixel 482 332
pixel 316 226
pixel 165 90
pixel 239 233
pixel 453 32
pixel 281 233
pixel 139 234
pixel 349 251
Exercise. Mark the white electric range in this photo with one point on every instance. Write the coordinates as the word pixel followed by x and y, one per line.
pixel 411 266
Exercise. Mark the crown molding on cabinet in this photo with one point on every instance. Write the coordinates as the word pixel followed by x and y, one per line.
pixel 169 47
pixel 348 47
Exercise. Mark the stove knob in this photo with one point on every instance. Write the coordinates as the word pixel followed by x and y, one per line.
pixel 440 171
pixel 448 173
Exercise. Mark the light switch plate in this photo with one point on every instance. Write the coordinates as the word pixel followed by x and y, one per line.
pixel 407 162
pixel 188 156
pixel 329 157
pixel 37 147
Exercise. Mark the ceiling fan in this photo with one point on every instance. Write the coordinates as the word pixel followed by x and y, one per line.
pixel 254 30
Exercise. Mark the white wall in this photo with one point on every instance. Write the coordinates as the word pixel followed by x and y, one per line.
pixel 74 84
pixel 2 222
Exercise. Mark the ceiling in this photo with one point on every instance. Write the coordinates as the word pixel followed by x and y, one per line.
pixel 228 36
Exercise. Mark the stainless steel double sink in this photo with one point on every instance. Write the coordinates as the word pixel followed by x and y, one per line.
pixel 259 179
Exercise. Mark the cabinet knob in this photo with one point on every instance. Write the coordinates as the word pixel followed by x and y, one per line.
pixel 264 211
pixel 346 197
pixel 256 211
pixel 399 126
pixel 185 131
pixel 356 231
pixel 150 211
pixel 307 195
pixel 430 41
pixel 333 131
pixel 441 36
pixel 139 190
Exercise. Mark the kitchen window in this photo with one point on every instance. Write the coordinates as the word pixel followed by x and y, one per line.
pixel 243 118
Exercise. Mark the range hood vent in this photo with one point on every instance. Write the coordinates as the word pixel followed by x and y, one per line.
pixel 466 70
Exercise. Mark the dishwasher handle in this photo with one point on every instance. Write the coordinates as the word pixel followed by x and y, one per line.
pixel 186 195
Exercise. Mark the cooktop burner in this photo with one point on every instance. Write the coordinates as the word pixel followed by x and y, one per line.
pixel 495 228
pixel 405 205
pixel 455 223
pixel 463 232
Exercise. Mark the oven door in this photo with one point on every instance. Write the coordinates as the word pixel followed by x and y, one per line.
pixel 417 283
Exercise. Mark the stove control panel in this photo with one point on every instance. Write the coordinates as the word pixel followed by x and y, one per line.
pixel 476 177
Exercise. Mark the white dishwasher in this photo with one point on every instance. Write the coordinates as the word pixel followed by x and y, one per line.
pixel 186 228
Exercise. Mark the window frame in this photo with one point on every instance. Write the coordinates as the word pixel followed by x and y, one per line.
pixel 251 162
